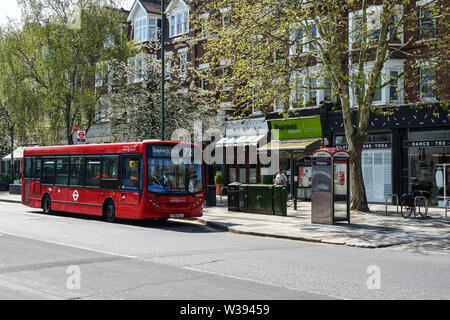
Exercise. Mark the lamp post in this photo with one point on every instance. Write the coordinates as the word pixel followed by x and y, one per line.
pixel 163 18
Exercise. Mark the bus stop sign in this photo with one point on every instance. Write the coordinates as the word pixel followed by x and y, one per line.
pixel 81 136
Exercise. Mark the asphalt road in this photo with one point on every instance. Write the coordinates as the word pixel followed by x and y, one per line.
pixel 68 256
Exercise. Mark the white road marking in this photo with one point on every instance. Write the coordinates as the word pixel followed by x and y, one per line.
pixel 261 282
pixel 73 246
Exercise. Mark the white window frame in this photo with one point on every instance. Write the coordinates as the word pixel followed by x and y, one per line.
pixel 183 58
pixel 179 22
pixel 168 58
pixel 373 24
pixel 390 65
pixel 153 37
pixel 300 95
pixel 140 29
pixel 420 5
pixel 427 64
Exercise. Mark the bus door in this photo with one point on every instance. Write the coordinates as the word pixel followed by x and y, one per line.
pixel 128 197
pixel 37 176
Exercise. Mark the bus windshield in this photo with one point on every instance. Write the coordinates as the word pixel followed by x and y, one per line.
pixel 166 176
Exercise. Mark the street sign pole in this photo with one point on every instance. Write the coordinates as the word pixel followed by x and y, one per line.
pixel 163 18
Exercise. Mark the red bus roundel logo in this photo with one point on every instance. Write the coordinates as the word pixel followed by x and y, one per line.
pixel 75 195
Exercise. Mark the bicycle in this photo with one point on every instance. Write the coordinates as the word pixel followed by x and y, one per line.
pixel 408 205
pixel 289 199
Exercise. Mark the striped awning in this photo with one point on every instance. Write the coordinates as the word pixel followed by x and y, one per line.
pixel 300 145
pixel 240 141
pixel 17 154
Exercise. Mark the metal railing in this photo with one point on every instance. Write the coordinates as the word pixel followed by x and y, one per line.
pixel 390 195
pixel 446 207
pixel 416 198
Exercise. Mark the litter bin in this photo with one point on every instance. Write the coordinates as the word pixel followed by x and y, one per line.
pixel 260 199
pixel 243 196
pixel 233 196
pixel 211 196
pixel 279 200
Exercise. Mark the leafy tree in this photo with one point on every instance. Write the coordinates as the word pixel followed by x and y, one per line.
pixel 135 101
pixel 278 51
pixel 68 39
pixel 19 101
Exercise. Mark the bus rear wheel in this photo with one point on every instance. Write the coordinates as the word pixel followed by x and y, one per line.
pixel 109 212
pixel 46 204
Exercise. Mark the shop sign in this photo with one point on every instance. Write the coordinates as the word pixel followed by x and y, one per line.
pixel 371 145
pixel 431 143
pixel 307 127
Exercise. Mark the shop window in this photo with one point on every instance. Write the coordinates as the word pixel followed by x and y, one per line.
pixel 252 178
pixel 232 174
pixel 243 175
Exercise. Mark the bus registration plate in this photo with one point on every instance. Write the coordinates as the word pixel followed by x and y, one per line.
pixel 177 215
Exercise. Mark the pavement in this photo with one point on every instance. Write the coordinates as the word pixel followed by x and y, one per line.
pixel 366 230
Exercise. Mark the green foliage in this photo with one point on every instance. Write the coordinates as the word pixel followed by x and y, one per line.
pixel 267 180
pixel 277 53
pixel 53 64
pixel 218 178
pixel 135 104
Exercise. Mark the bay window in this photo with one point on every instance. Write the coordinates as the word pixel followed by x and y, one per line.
pixel 179 23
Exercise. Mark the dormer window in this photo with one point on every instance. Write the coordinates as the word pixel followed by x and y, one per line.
pixel 146 29
pixel 179 23
pixel 140 32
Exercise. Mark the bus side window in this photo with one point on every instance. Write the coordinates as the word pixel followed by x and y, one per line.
pixel 110 172
pixel 92 172
pixel 48 171
pixel 62 171
pixel 130 173
pixel 28 168
pixel 76 171
pixel 37 169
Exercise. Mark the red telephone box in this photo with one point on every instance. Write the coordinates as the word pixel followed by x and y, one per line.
pixel 330 200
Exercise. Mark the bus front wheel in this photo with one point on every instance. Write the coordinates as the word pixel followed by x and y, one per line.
pixel 110 211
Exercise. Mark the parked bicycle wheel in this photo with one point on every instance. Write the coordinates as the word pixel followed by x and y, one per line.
pixel 422 207
pixel 290 199
pixel 405 209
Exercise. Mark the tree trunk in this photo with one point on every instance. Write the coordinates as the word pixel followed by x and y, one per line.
pixel 69 133
pixel 357 188
pixel 11 135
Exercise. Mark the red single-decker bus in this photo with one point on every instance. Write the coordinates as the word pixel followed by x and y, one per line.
pixel 144 180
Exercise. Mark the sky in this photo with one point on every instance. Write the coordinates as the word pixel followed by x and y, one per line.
pixel 9 8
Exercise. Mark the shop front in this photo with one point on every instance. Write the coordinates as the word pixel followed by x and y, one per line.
pixel 429 163
pixel 376 161
pixel 405 150
pixel 239 146
pixel 295 140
